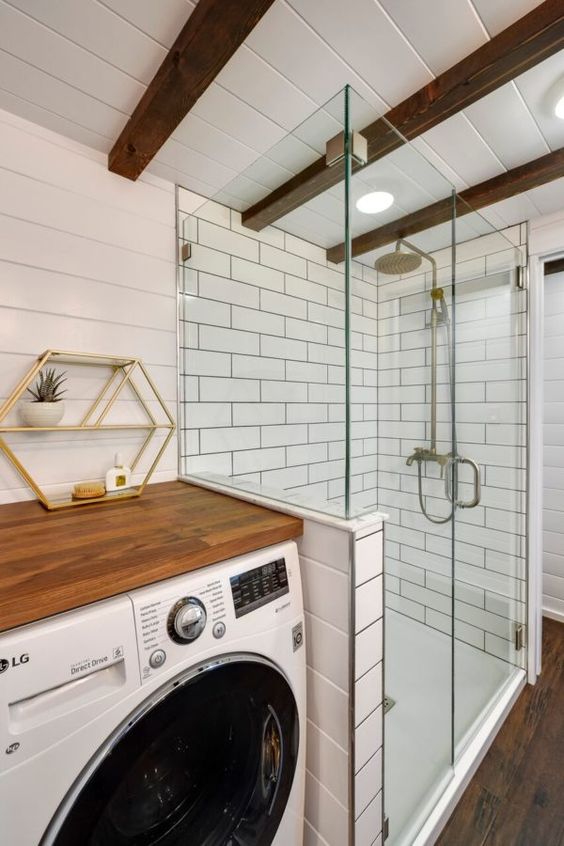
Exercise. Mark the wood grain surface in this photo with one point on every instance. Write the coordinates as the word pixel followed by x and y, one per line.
pixel 516 797
pixel 522 178
pixel 54 561
pixel 211 35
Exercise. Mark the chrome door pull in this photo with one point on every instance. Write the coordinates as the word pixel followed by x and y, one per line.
pixel 451 483
pixel 472 503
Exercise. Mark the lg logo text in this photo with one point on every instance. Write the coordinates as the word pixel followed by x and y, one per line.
pixel 14 661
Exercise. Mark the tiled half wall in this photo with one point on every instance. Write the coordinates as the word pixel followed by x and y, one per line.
pixel 343 599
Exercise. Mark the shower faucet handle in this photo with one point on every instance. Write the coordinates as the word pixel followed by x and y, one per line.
pixel 420 454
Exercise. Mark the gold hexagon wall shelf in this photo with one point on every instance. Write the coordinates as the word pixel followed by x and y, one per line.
pixel 121 377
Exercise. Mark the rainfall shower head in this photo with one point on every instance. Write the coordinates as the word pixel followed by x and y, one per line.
pixel 398 263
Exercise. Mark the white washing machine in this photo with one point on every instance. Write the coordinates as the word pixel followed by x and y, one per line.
pixel 171 716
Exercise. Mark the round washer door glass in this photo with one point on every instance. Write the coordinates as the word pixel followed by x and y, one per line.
pixel 210 764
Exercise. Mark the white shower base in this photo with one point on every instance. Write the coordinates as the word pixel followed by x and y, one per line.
pixel 418 727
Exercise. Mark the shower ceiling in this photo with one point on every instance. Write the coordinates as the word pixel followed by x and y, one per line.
pixel 80 69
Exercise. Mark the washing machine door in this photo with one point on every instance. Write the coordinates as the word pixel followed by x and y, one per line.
pixel 209 760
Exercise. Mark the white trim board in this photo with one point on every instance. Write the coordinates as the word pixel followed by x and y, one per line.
pixel 546 243
pixel 554 613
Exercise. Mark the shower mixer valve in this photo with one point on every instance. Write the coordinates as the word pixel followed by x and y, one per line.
pixel 425 454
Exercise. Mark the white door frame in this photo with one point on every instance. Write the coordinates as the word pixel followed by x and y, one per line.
pixel 546 242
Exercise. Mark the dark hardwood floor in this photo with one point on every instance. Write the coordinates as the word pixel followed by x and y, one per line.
pixel 516 797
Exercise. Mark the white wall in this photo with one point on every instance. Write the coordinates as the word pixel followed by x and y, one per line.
pixel 87 263
pixel 553 503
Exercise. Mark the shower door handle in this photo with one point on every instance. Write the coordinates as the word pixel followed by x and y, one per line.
pixel 472 503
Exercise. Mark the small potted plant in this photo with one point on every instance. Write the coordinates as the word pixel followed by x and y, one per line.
pixel 46 408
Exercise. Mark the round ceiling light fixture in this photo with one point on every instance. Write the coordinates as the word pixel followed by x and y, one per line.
pixel 559 108
pixel 375 202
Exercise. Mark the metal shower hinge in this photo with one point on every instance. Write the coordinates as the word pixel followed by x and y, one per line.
pixel 386 828
pixel 521 278
pixel 335 149
pixel 185 252
pixel 519 637
pixel 388 704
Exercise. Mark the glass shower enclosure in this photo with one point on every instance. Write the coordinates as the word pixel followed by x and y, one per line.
pixel 368 352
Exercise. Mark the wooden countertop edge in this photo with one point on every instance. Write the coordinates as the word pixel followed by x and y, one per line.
pixel 25 593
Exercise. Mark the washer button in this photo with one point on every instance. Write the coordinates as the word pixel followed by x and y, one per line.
pixel 157 659
pixel 219 630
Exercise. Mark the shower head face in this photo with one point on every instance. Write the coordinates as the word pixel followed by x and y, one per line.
pixel 398 263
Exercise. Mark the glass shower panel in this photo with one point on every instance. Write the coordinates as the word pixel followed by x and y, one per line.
pixel 490 410
pixel 400 448
pixel 415 442
pixel 264 403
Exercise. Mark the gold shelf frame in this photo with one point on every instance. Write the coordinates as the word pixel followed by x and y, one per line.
pixel 123 369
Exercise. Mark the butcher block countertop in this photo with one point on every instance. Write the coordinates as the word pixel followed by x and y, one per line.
pixel 54 561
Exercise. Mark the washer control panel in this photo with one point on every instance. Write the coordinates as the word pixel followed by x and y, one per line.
pixel 220 608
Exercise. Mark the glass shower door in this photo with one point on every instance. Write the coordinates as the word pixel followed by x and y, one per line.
pixel 489 474
pixel 399 337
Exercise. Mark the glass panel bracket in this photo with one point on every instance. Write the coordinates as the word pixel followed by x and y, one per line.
pixel 335 149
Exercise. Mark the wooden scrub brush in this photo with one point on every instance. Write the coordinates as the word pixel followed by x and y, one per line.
pixel 88 490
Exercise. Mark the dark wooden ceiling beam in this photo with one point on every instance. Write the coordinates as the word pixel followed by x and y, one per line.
pixel 554 266
pixel 521 46
pixel 212 34
pixel 509 184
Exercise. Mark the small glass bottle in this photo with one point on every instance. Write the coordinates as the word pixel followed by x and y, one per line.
pixel 118 478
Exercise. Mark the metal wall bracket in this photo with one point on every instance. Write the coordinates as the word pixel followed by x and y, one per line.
pixel 335 149
pixel 185 252
pixel 519 637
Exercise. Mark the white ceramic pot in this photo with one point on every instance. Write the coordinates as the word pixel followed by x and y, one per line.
pixel 41 414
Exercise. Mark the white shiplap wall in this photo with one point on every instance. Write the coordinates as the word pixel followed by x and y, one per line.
pixel 87 263
pixel 553 558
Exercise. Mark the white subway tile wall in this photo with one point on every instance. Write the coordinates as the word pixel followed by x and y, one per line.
pixel 263 343
pixel 267 355
pixel 489 541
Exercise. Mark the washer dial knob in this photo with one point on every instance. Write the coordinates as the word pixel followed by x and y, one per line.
pixel 187 620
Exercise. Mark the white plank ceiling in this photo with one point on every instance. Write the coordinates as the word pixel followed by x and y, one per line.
pixel 79 67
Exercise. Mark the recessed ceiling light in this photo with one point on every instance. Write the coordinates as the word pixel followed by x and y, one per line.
pixel 559 108
pixel 376 201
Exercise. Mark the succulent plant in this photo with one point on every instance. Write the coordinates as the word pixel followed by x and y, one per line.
pixel 48 386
